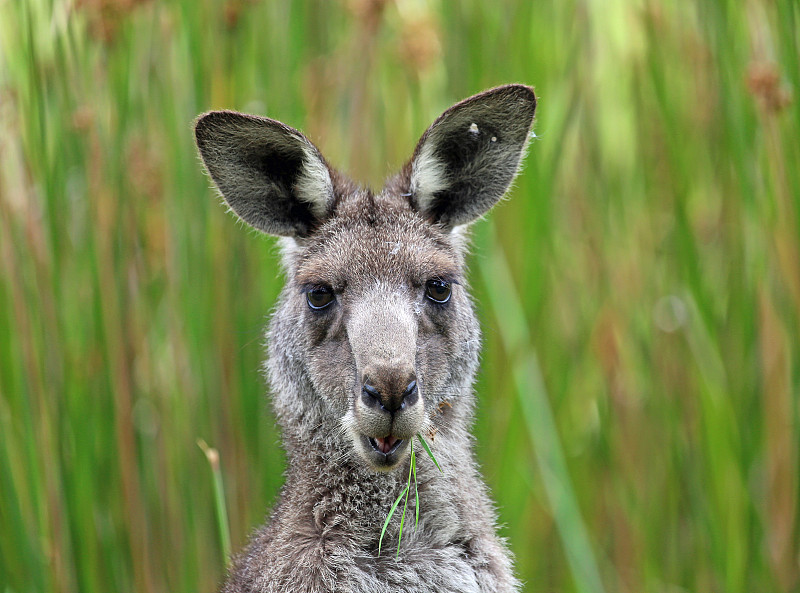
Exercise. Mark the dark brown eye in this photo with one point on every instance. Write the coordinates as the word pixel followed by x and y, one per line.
pixel 438 291
pixel 320 297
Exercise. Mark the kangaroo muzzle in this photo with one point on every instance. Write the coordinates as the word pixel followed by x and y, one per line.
pixel 388 406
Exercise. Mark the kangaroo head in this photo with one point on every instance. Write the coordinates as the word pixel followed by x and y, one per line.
pixel 375 329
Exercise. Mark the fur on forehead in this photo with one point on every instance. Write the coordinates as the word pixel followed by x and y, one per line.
pixel 374 238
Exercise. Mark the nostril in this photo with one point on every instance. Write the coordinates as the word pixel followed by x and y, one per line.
pixel 370 395
pixel 411 394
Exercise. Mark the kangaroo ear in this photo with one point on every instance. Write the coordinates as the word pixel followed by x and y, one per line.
pixel 270 175
pixel 467 159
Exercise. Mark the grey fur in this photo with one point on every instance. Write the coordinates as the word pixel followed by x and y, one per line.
pixel 346 373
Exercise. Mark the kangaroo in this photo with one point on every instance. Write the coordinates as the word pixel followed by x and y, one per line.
pixel 373 341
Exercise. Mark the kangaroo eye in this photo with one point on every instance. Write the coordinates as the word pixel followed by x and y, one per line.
pixel 438 291
pixel 319 298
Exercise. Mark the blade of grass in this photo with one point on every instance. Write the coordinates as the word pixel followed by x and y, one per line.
pixel 416 490
pixel 389 518
pixel 219 500
pixel 428 451
pixel 405 506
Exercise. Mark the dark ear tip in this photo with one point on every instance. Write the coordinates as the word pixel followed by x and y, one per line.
pixel 521 96
pixel 206 122
pixel 521 92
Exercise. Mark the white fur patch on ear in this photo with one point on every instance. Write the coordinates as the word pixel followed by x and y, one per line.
pixel 290 252
pixel 428 176
pixel 313 184
pixel 460 237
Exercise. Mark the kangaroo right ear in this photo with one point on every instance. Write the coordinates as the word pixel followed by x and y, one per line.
pixel 468 158
pixel 270 175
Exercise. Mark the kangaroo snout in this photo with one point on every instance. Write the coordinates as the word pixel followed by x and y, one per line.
pixel 389 411
pixel 388 408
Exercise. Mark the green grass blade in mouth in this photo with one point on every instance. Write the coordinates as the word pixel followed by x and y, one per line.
pixel 416 490
pixel 407 489
pixel 405 504
pixel 389 518
pixel 428 451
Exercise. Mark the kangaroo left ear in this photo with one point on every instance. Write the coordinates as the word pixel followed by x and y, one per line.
pixel 466 161
pixel 270 175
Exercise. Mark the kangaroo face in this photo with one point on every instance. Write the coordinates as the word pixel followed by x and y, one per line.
pixel 385 318
pixel 375 316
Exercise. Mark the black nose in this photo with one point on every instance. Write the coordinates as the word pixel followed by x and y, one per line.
pixel 385 391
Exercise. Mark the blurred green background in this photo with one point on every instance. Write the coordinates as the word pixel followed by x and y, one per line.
pixel 639 292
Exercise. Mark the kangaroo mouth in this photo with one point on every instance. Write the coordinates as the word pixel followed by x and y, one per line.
pixel 382 453
pixel 385 445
